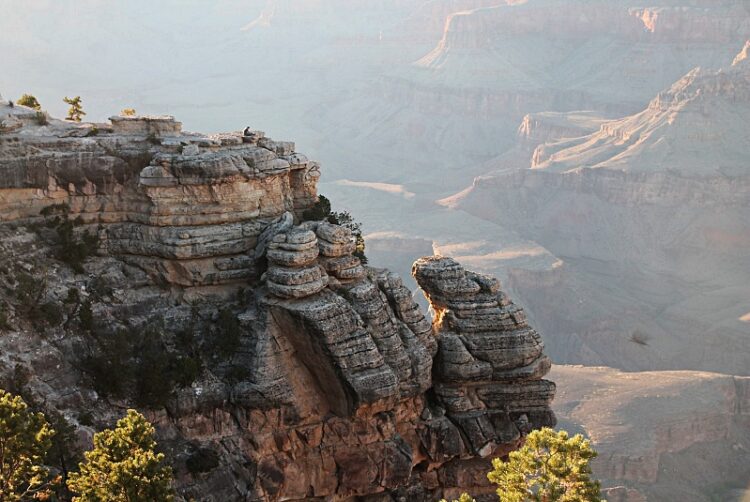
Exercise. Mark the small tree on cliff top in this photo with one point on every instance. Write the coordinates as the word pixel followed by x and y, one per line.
pixel 25 438
pixel 30 101
pixel 123 466
pixel 75 112
pixel 551 467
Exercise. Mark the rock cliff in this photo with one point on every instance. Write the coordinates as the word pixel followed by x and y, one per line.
pixel 312 374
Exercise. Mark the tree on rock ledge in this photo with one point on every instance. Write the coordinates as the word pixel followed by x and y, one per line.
pixel 551 467
pixel 30 101
pixel 123 466
pixel 75 112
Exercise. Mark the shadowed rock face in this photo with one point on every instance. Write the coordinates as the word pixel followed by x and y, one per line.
pixel 490 363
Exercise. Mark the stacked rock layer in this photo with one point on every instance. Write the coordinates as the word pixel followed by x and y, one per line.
pixel 336 248
pixel 336 385
pixel 293 271
pixel 490 362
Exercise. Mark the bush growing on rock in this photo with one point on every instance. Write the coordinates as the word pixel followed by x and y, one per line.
pixel 227 334
pixel 25 439
pixel 41 118
pixel 73 248
pixel 147 371
pixel 549 467
pixel 128 112
pixel 30 101
pixel 123 466
pixel 203 460
pixel 322 211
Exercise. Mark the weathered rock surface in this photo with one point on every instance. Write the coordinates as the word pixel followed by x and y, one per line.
pixel 326 389
pixel 189 208
pixel 490 363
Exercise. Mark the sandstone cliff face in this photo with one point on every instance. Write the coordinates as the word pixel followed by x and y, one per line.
pixel 329 391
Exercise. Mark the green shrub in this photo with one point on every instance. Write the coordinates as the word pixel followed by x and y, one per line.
pixel 124 466
pixel 61 208
pixel 4 324
pixel 30 101
pixel 73 248
pixel 86 418
pixel 320 211
pixel 86 316
pixel 29 291
pixel 226 339
pixel 51 313
pixel 73 296
pixel 147 371
pixel 25 438
pixel 41 118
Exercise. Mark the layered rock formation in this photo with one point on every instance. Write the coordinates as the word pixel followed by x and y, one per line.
pixel 315 379
pixel 490 363
pixel 189 207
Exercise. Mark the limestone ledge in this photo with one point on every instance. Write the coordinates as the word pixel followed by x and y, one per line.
pixel 186 207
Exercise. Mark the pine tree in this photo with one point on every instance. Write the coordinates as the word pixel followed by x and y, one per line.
pixel 551 467
pixel 75 112
pixel 25 438
pixel 123 466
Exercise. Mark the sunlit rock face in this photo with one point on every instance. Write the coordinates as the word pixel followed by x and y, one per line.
pixel 490 363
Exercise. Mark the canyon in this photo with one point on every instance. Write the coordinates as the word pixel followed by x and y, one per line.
pixel 590 154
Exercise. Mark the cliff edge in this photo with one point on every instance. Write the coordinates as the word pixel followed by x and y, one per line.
pixel 182 273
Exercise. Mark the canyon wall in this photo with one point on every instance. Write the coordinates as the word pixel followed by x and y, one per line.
pixel 329 390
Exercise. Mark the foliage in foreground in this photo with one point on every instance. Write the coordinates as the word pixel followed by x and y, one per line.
pixel 25 438
pixel 123 466
pixel 550 467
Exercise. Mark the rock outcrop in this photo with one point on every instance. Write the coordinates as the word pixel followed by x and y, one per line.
pixel 187 207
pixel 313 373
pixel 490 363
